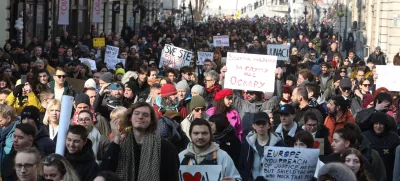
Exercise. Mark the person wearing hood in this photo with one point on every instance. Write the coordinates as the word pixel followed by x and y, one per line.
pixel 252 151
pixel 79 153
pixel 301 102
pixel 197 110
pixel 223 105
pixel 383 140
pixel 184 97
pixel 202 151
pixel 60 86
pixel 326 81
pixel 30 115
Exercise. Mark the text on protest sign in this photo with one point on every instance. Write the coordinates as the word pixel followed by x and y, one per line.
pixel 250 72
pixel 111 52
pixel 200 172
pixel 175 57
pixel 99 42
pixel 281 51
pixel 385 77
pixel 221 41
pixel 90 61
pixel 282 163
pixel 202 56
pixel 112 62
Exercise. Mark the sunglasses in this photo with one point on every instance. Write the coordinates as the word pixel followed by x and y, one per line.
pixel 198 109
pixel 342 71
pixel 346 89
pixel 366 85
pixel 63 76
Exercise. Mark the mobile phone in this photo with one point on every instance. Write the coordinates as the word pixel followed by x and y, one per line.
pixel 114 87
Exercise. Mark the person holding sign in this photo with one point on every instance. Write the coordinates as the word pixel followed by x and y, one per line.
pixel 252 151
pixel 202 151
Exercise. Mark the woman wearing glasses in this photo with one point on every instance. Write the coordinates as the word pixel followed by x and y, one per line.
pixel 27 165
pixel 57 168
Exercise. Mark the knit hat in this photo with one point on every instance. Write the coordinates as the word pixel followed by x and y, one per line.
pixel 31 112
pixel 345 83
pixel 291 77
pixel 222 93
pixel 367 99
pixel 316 70
pixel 378 48
pixel 287 89
pixel 168 90
pixel 107 77
pixel 82 98
pixel 90 83
pixel 337 171
pixel 197 101
pixel 183 85
pixel 198 88
pixel 120 71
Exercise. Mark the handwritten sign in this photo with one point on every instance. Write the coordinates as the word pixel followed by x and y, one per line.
pixel 112 62
pixel 250 72
pixel 385 77
pixel 111 52
pixel 282 163
pixel 90 61
pixel 200 173
pixel 202 56
pixel 281 51
pixel 221 41
pixel 175 57
pixel 99 42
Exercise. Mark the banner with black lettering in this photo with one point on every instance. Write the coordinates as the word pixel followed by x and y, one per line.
pixel 175 57
pixel 281 51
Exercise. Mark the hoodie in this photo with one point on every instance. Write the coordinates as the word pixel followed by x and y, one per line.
pixel 223 159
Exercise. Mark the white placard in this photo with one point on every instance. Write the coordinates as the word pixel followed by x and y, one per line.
pixel 200 172
pixel 387 77
pixel 281 51
pixel 90 61
pixel 63 12
pixel 65 119
pixel 175 57
pixel 221 41
pixel 202 56
pixel 250 72
pixel 112 62
pixel 96 11
pixel 295 164
pixel 111 52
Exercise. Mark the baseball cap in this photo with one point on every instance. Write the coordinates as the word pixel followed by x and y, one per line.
pixel 261 117
pixel 287 109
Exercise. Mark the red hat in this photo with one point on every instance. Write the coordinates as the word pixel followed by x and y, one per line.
pixel 168 90
pixel 223 93
pixel 287 89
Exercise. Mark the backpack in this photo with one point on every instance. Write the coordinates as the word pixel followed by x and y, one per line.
pixel 168 129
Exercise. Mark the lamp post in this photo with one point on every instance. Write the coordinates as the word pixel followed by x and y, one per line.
pixel 288 22
pixel 183 12
pixel 219 10
pixel 340 14
pixel 305 15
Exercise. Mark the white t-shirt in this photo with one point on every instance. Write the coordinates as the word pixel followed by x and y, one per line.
pixel 58 93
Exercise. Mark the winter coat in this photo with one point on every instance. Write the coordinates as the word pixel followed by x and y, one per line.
pixel 223 159
pixel 385 144
pixel 231 145
pixel 379 59
pixel 83 162
pixel 328 89
pixel 42 139
pixel 396 173
pixel 322 132
pixel 250 166
pixel 355 106
pixel 396 59
pixel 67 88
pixel 372 156
pixel 105 103
pixel 6 140
pixel 364 120
pixel 32 100
pixel 289 138
pixel 332 124
pixel 233 118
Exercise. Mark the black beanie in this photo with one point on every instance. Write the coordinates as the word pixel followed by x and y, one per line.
pixel 31 112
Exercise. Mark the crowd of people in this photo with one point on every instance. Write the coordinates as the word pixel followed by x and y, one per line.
pixel 140 122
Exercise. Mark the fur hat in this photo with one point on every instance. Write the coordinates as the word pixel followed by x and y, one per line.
pixel 337 171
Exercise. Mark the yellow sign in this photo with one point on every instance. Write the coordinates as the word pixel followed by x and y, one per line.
pixel 99 42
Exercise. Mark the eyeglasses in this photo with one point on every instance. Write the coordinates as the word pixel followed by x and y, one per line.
pixel 312 125
pixel 63 76
pixel 198 109
pixel 84 120
pixel 205 80
pixel 366 85
pixel 27 166
pixel 144 114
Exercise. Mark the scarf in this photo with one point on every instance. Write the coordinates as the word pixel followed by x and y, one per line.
pixel 218 137
pixel 94 136
pixel 150 159
pixel 214 89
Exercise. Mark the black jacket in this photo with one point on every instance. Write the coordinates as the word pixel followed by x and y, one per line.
pixel 169 166
pixel 105 103
pixel 84 162
pixel 377 167
pixel 323 132
pixel 42 139
pixel 363 120
pixel 231 144
pixel 377 59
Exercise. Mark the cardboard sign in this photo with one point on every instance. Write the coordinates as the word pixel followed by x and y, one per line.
pixel 202 56
pixel 221 41
pixel 76 84
pixel 200 173
pixel 281 51
pixel 250 72
pixel 175 57
pixel 90 61
pixel 296 164
pixel 386 79
pixel 319 143
pixel 99 42
pixel 112 62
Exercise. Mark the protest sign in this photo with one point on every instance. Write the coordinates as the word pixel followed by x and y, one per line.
pixel 111 52
pixel 90 61
pixel 250 72
pixel 282 163
pixel 221 41
pixel 386 77
pixel 281 51
pixel 175 57
pixel 112 62
pixel 76 84
pixel 99 42
pixel 204 56
pixel 200 172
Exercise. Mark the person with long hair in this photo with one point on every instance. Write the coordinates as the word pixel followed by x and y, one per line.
pixel 355 161
pixel 223 105
pixel 52 117
pixel 57 168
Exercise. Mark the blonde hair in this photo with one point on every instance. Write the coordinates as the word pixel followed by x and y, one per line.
pixel 6 111
pixel 118 113
pixel 52 103
pixel 62 165
pixel 36 154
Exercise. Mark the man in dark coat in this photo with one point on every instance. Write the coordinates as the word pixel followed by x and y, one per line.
pixel 378 58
